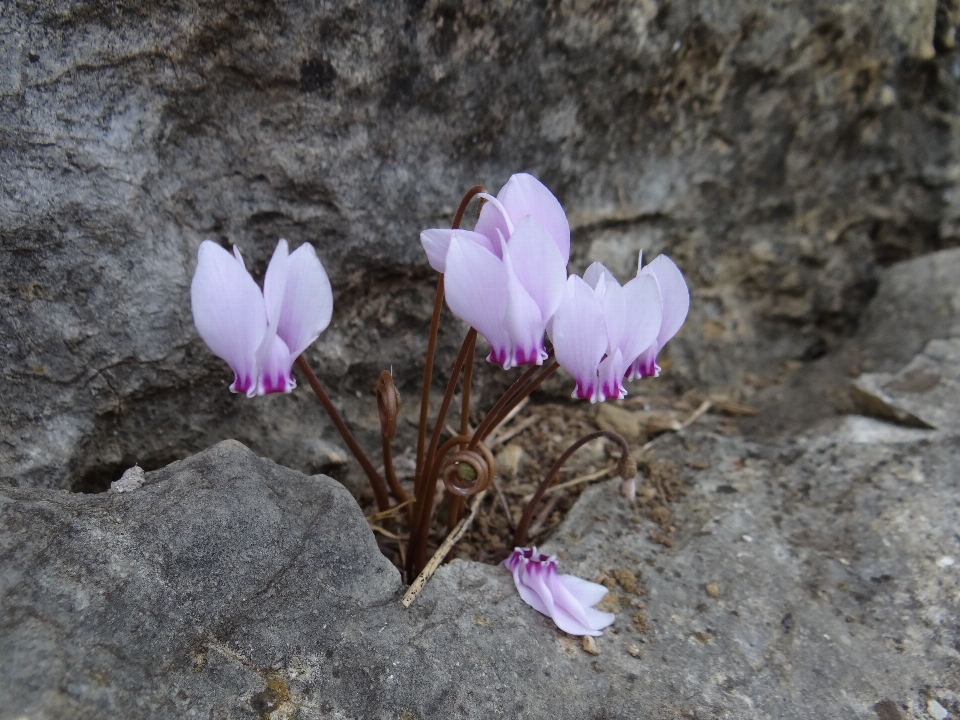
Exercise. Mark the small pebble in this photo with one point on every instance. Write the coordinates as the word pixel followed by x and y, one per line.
pixel 748 538
pixel 132 479
pixel 713 589
pixel 936 710
pixel 589 644
pixel 844 561
pixel 946 561
pixel 634 651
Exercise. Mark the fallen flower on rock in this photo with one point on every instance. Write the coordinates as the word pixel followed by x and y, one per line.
pixel 566 599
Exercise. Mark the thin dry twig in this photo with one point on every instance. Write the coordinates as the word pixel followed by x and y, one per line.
pixel 503 501
pixel 514 431
pixel 431 567
pixel 391 512
pixel 543 515
pixel 384 532
pixel 492 435
pixel 694 416
pixel 602 472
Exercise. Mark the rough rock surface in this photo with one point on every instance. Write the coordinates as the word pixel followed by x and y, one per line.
pixel 816 578
pixel 781 153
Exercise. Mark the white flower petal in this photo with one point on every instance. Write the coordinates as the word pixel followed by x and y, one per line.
pixel 524 195
pixel 673 292
pixel 229 312
pixel 276 364
pixel 644 309
pixel 475 285
pixel 275 281
pixel 436 243
pixel 579 336
pixel 307 300
pixel 538 265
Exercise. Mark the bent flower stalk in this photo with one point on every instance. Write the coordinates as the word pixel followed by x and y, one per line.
pixel 260 334
pixel 566 599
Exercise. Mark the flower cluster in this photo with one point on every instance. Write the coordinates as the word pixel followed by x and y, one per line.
pixel 568 600
pixel 260 334
pixel 507 278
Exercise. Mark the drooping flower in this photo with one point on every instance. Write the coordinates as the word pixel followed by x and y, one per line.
pixel 260 334
pixel 568 600
pixel 601 328
pixel 505 277
pixel 676 304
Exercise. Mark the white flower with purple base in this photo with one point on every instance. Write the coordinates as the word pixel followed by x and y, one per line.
pixel 505 278
pixel 260 334
pixel 566 599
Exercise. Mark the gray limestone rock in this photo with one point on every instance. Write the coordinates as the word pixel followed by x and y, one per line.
pixel 781 154
pixel 917 301
pixel 813 578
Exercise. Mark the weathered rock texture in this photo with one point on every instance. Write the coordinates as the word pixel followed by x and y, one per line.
pixel 229 587
pixel 779 153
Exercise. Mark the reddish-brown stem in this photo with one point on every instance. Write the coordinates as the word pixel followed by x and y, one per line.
pixel 391 474
pixel 518 397
pixel 427 379
pixel 520 534
pixel 456 502
pixel 486 425
pixel 424 505
pixel 455 508
pixel 432 347
pixel 376 482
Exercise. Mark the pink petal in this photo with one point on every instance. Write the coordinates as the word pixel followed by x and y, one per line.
pixel 491 223
pixel 476 288
pixel 229 312
pixel 586 593
pixel 611 372
pixel 612 300
pixel 436 243
pixel 646 364
pixel 593 274
pixel 643 312
pixel 524 195
pixel 673 292
pixel 579 336
pixel 523 320
pixel 538 265
pixel 275 281
pixel 307 300
pixel 276 364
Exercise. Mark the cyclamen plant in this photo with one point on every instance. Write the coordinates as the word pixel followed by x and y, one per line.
pixel 507 279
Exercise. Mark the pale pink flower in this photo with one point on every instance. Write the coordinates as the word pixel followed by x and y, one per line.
pixel 601 328
pixel 505 278
pixel 260 334
pixel 676 304
pixel 568 600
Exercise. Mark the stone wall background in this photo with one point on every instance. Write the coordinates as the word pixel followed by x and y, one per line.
pixel 782 153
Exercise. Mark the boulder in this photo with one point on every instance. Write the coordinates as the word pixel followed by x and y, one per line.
pixel 810 578
pixel 781 155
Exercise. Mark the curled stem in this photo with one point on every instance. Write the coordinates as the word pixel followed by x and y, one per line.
pixel 376 482
pixel 427 489
pixel 626 467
